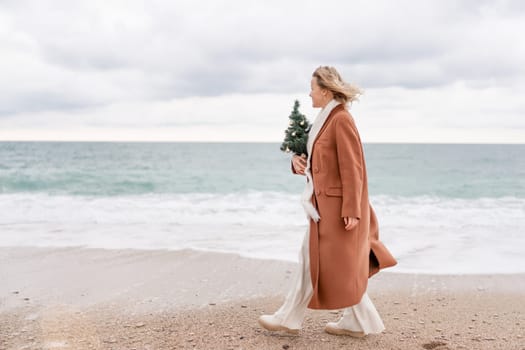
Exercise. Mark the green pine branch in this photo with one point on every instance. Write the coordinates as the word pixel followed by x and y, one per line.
pixel 296 135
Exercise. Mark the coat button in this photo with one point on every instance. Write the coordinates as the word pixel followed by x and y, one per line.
pixel 316 170
pixel 318 192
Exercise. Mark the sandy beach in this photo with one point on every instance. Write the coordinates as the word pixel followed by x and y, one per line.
pixel 76 298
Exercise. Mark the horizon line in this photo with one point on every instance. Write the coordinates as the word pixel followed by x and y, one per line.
pixel 269 142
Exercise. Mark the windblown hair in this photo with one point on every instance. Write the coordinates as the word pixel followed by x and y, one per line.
pixel 328 78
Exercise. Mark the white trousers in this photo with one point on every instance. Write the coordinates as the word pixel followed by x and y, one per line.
pixel 362 317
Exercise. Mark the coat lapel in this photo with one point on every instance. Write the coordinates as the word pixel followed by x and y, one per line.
pixel 335 110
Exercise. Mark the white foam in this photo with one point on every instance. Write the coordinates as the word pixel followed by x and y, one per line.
pixel 426 234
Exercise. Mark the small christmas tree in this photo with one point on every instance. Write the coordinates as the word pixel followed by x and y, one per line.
pixel 296 135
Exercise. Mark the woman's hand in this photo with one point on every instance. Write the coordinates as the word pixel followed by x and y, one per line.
pixel 350 223
pixel 299 163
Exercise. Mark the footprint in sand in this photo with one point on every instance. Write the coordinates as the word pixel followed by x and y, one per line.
pixel 439 345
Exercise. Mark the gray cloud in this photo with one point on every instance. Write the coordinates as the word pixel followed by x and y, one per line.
pixel 42 101
pixel 68 54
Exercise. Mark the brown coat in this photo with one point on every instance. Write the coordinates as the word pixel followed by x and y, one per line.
pixel 342 261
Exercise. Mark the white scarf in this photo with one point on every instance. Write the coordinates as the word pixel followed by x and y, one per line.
pixel 306 197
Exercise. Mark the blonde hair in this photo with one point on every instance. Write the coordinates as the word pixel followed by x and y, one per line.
pixel 328 78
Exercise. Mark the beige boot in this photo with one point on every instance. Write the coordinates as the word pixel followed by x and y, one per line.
pixel 270 323
pixel 333 328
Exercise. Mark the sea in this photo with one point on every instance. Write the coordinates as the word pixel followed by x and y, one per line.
pixel 442 208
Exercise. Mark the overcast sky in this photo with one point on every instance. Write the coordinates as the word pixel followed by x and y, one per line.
pixel 432 71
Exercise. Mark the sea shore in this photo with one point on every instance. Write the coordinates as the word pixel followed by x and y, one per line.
pixel 78 298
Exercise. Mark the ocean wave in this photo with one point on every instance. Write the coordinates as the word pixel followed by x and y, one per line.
pixel 426 233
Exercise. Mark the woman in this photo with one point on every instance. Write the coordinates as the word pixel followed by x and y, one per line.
pixel 341 248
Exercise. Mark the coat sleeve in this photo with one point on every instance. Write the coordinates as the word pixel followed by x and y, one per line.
pixel 350 160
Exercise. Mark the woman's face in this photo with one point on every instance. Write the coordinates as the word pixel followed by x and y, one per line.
pixel 317 94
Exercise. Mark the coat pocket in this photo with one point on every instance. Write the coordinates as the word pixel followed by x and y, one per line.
pixel 334 191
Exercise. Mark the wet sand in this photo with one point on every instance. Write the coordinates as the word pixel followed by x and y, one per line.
pixel 76 298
